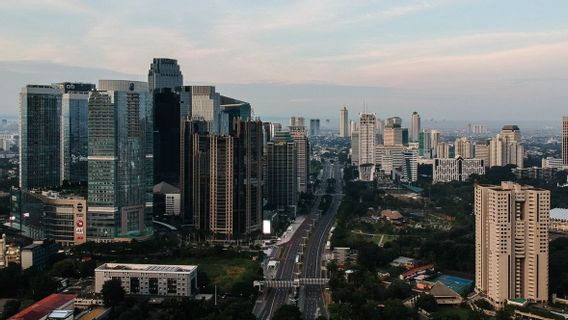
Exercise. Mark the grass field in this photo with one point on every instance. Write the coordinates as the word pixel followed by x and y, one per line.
pixel 378 238
pixel 450 312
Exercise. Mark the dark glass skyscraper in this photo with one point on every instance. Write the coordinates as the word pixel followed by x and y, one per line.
pixel 40 137
pixel 120 160
pixel 74 126
pixel 282 176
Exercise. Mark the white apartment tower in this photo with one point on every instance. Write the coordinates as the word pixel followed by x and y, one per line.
pixel 344 123
pixel 367 122
pixel 511 240
pixel 464 148
pixel 506 148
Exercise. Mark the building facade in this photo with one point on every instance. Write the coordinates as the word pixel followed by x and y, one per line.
pixel 164 73
pixel 40 137
pixel 464 148
pixel 149 280
pixel 282 175
pixel 300 137
pixel 367 123
pixel 565 141
pixel 506 148
pixel 511 225
pixel 414 126
pixel 314 127
pixel 120 161
pixel 456 169
pixel 344 123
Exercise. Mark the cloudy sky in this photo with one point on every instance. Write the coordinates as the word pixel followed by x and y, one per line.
pixel 450 59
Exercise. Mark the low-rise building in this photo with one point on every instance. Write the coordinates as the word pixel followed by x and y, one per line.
pixel 38 254
pixel 43 308
pixel 559 220
pixel 149 279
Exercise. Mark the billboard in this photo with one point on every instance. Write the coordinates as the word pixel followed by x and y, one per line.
pixel 266 228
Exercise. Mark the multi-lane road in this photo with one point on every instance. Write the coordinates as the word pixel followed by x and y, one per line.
pixel 312 296
pixel 312 303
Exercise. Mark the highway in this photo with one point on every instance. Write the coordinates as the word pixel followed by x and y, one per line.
pixel 311 302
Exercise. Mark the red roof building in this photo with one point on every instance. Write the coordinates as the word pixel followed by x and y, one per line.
pixel 41 309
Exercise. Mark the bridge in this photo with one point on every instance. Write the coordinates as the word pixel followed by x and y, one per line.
pixel 290 283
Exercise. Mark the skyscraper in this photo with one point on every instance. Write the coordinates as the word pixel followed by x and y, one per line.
pixel 74 129
pixel 300 138
pixel 464 148
pixel 392 135
pixel 481 149
pixel 164 73
pixel 367 122
pixel 202 103
pixel 167 117
pixel 434 141
pixel 281 180
pixel 314 127
pixel 506 148
pixel 297 121
pixel 565 141
pixel 511 239
pixel 414 126
pixel 40 137
pixel 344 123
pixel 355 147
pixel 120 160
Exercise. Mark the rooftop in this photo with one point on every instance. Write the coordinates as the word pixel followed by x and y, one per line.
pixel 158 268
pixel 44 307
pixel 559 214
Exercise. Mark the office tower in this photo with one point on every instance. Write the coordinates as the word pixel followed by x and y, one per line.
pixel 456 169
pixel 565 141
pixel 164 73
pixel 40 137
pixel 405 136
pixel 297 122
pixel 392 134
pixel 410 167
pixel 233 111
pixel 426 145
pixel 220 186
pixel 314 127
pixel 511 239
pixel 120 161
pixel 166 111
pixel 506 148
pixel 275 127
pixel 202 103
pixel 481 151
pixel 443 150
pixel 367 123
pixel 248 176
pixel 281 180
pixel 355 147
pixel 395 121
pixel 300 138
pixel 352 126
pixel 74 130
pixel 464 148
pixel 552 163
pixel 344 123
pixel 477 129
pixel 414 126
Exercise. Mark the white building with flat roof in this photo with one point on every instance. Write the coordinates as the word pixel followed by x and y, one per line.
pixel 149 279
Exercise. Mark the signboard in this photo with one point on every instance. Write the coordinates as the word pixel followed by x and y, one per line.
pixel 80 223
pixel 266 228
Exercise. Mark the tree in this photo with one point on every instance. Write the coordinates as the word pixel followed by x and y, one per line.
pixel 427 302
pixel 287 312
pixel 41 286
pixel 64 268
pixel 113 293
pixel 11 307
pixel 394 310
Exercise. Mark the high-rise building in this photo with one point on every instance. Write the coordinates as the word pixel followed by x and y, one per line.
pixel 392 134
pixel 167 117
pixel 395 121
pixel 405 136
pixel 464 148
pixel 511 239
pixel 234 110
pixel 434 140
pixel 352 126
pixel 481 149
pixel 414 126
pixel 344 123
pixel 506 148
pixel 565 141
pixel 355 147
pixel 456 169
pixel 314 127
pixel 300 138
pixel 281 180
pixel 74 130
pixel 164 73
pixel 120 160
pixel 297 122
pixel 443 150
pixel 202 103
pixel 40 137
pixel 367 138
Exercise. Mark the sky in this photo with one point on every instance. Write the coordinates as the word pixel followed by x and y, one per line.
pixel 467 60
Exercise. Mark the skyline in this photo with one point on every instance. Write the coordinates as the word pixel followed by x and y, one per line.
pixel 440 58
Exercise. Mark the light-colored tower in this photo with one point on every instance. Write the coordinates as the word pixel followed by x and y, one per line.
pixel 297 122
pixel 565 141
pixel 443 150
pixel 344 123
pixel 506 148
pixel 392 134
pixel 414 126
pixel 367 122
pixel 482 152
pixel 434 140
pixel 352 127
pixel 464 148
pixel 511 240
pixel 355 147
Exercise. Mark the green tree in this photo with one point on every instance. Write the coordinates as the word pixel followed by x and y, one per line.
pixel 427 302
pixel 340 311
pixel 64 268
pixel 41 286
pixel 113 293
pixel 11 307
pixel 287 312
pixel 395 310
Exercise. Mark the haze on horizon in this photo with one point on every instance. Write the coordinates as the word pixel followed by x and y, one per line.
pixel 456 60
